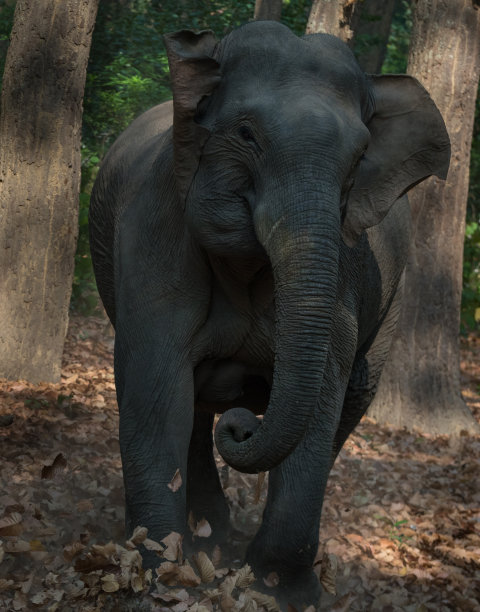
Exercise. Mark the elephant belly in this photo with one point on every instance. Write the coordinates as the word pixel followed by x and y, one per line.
pixel 226 383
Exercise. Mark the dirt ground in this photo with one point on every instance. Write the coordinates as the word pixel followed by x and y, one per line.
pixel 400 526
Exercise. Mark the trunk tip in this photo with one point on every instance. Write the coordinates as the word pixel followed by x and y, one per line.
pixel 233 429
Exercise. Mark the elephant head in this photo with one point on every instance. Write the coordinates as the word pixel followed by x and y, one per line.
pixel 285 151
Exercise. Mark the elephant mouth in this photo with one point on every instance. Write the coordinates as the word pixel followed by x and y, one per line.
pixel 251 391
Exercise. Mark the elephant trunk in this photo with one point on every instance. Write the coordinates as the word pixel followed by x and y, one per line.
pixel 302 244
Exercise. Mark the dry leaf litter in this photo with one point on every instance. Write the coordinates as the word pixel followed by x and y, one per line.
pixel 400 527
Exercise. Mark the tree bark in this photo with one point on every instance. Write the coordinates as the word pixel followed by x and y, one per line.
pixel 40 128
pixel 371 22
pixel 268 10
pixel 332 17
pixel 420 387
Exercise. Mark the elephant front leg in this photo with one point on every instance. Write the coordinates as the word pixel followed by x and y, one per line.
pixel 205 498
pixel 286 544
pixel 155 399
pixel 285 547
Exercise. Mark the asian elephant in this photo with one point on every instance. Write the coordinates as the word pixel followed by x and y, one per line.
pixel 248 241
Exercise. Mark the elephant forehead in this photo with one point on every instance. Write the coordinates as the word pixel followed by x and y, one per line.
pixel 269 52
pixel 292 102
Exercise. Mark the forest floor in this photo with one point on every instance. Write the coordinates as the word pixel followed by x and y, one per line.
pixel 400 526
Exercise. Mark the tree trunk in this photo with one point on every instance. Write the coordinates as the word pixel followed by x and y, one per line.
pixel 268 10
pixel 371 24
pixel 332 17
pixel 420 387
pixel 40 128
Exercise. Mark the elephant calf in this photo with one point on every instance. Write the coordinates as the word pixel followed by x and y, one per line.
pixel 248 241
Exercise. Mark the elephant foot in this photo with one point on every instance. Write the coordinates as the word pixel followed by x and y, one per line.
pixel 291 589
pixel 208 522
pixel 209 528
pixel 150 559
pixel 200 543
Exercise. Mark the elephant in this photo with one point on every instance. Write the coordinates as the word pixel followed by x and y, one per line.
pixel 249 239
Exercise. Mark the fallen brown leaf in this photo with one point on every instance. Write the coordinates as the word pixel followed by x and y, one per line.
pixel 172 574
pixel 109 583
pixel 216 556
pixel 10 525
pixel 343 604
pixel 271 580
pixel 56 468
pixel 244 577
pixel 17 546
pixel 138 536
pixel 176 481
pixel 152 545
pixel 267 601
pixel 328 573
pixel 258 487
pixel 205 567
pixel 84 505
pixel 173 550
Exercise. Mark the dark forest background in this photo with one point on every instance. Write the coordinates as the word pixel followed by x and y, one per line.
pixel 128 73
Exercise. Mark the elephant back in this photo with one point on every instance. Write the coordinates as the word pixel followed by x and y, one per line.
pixel 124 168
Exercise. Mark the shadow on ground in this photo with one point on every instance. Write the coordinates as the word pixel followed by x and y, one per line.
pixel 401 520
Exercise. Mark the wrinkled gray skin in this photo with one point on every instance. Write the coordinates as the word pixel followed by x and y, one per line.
pixel 250 259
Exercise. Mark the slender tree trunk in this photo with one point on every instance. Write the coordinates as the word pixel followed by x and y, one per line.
pixel 420 387
pixel 332 17
pixel 371 22
pixel 266 10
pixel 41 111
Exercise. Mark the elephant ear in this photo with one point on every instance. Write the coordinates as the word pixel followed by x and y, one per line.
pixel 409 142
pixel 194 75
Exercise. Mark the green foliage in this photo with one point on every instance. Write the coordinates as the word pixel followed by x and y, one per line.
pixel 119 93
pixel 473 208
pixel 471 252
pixel 399 40
pixel 396 534
pixel 7 9
pixel 126 73
pixel 363 42
pixel 295 15
pixel 36 403
pixel 84 289
pixel 471 277
pixel 394 529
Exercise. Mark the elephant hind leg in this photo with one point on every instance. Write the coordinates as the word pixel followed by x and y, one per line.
pixel 366 371
pixel 360 393
pixel 205 498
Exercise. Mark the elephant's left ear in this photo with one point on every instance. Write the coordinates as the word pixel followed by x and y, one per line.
pixel 409 142
pixel 194 74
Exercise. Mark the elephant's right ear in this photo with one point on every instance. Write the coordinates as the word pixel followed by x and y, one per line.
pixel 194 75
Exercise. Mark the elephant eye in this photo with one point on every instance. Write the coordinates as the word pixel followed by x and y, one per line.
pixel 363 155
pixel 360 159
pixel 356 164
pixel 245 134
